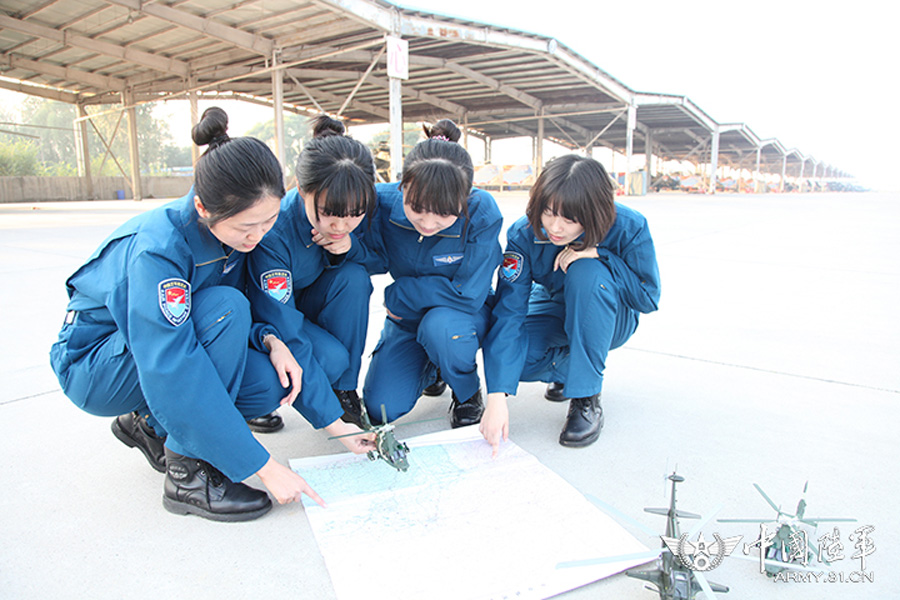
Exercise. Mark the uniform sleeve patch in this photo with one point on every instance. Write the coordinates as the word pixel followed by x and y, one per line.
pixel 512 266
pixel 277 284
pixel 175 300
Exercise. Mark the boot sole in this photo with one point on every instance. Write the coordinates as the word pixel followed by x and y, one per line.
pixel 182 508
pixel 129 441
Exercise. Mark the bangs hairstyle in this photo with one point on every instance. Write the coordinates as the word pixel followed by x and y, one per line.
pixel 579 189
pixel 234 173
pixel 437 178
pixel 337 170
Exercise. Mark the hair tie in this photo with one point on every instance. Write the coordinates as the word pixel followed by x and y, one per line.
pixel 219 140
pixel 441 137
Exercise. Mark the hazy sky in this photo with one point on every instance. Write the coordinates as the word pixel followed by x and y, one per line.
pixel 821 77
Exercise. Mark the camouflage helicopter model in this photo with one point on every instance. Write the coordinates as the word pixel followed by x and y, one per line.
pixel 672 578
pixel 387 447
pixel 780 552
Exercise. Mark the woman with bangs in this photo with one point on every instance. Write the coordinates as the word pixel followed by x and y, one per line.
pixel 578 270
pixel 304 284
pixel 437 237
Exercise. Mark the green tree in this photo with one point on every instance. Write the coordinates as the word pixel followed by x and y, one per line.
pixel 56 149
pixel 296 129
pixel 18 157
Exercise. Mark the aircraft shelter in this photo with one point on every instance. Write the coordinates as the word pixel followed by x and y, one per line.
pixel 367 61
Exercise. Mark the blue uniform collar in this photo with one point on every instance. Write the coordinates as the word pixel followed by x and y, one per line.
pixel 302 223
pixel 398 217
pixel 538 240
pixel 205 247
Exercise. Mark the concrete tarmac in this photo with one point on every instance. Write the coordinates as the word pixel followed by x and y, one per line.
pixel 774 359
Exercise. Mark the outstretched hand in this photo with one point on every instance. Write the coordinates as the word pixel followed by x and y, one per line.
pixel 286 485
pixel 495 421
pixel 357 444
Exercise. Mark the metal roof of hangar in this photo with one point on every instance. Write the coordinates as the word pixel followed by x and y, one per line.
pixel 93 50
pixel 495 80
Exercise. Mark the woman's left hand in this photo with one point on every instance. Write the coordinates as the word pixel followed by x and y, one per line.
pixel 567 256
pixel 341 246
pixel 290 373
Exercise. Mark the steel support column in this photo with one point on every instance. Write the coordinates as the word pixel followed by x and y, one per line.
pixel 713 161
pixel 648 157
pixel 278 105
pixel 629 142
pixel 783 173
pixel 539 145
pixel 85 153
pixel 195 118
pixel 133 153
pixel 756 172
pixel 396 110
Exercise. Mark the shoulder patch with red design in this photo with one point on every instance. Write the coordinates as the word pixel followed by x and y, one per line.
pixel 175 300
pixel 512 266
pixel 277 283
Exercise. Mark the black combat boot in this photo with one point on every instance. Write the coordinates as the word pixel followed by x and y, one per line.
pixel 583 423
pixel 195 487
pixel 269 423
pixel 133 431
pixel 437 388
pixel 554 392
pixel 352 406
pixel 466 413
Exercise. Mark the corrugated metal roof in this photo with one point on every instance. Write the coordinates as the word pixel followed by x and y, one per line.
pixel 495 79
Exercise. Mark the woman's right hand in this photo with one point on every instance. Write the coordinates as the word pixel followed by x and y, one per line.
pixel 495 421
pixel 284 484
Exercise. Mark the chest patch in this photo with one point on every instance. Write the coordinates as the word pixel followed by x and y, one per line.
pixel 447 259
pixel 175 300
pixel 277 283
pixel 512 266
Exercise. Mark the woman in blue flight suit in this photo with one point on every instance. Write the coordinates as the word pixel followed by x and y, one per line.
pixel 307 288
pixel 157 331
pixel 577 271
pixel 438 240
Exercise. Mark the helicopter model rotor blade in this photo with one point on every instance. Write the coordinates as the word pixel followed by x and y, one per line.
pixel 613 512
pixel 644 557
pixel 744 520
pixel 704 585
pixel 696 528
pixel 776 563
pixel 767 499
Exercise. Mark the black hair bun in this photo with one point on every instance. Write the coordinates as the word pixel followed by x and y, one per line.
pixel 324 126
pixel 213 126
pixel 445 128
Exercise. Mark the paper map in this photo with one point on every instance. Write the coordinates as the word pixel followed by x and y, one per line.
pixel 457 525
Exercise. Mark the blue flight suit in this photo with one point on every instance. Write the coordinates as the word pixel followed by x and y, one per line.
pixel 441 284
pixel 309 294
pixel 552 326
pixel 158 323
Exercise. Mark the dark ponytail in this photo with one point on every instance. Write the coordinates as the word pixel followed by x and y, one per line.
pixel 233 174
pixel 339 167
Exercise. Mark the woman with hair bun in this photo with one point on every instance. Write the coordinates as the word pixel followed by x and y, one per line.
pixel 305 285
pixel 578 270
pixel 158 333
pixel 437 237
